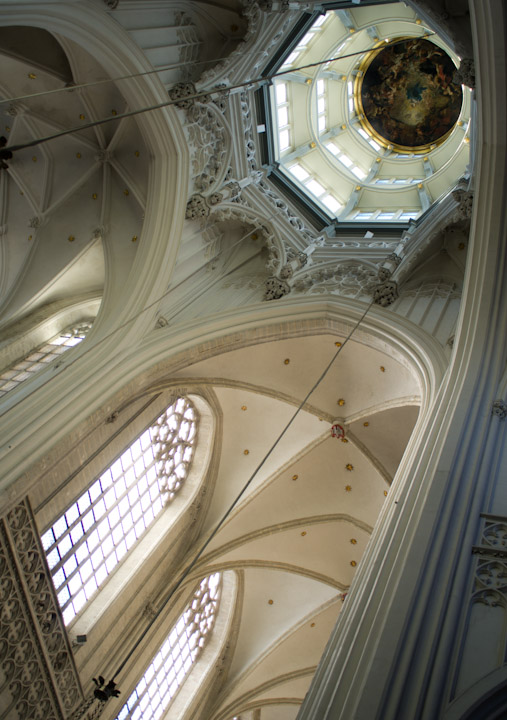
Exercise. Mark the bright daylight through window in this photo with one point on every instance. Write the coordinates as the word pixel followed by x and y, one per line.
pixel 41 357
pixel 93 535
pixel 179 652
pixel 376 129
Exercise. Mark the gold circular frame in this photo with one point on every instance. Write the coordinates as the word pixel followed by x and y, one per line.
pixel 358 105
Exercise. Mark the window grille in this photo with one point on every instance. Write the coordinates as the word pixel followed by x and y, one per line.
pixel 93 535
pixel 41 357
pixel 172 663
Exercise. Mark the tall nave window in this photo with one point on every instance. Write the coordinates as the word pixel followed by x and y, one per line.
pixel 42 356
pixel 95 533
pixel 172 663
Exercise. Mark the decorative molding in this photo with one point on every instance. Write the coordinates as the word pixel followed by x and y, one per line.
pixel 490 586
pixel 210 140
pixel 490 583
pixel 189 40
pixel 294 221
pixel 35 654
pixel 349 279
pixel 248 133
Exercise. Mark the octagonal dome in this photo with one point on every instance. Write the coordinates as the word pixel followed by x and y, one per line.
pixel 322 142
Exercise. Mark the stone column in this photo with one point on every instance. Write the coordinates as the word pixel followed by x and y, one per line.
pixel 401 647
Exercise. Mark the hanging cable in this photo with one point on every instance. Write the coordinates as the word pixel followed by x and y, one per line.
pixel 196 96
pixel 94 83
pixel 231 507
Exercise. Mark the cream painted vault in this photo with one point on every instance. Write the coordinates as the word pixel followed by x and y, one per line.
pixel 362 576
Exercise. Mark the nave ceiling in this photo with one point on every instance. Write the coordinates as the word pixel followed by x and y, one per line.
pixel 294 540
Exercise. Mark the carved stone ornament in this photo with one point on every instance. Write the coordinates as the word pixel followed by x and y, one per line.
pixel 287 272
pixel 180 91
pixel 500 409
pixel 348 279
pixel 384 273
pixel 284 212
pixel 40 681
pixel 103 156
pixel 490 587
pixel 274 6
pixel 14 110
pixel 162 322
pixel 465 198
pixel 300 257
pixel 465 74
pixel 209 140
pixel 303 259
pixel 491 583
pixel 386 293
pixel 276 288
pixel 214 199
pixel 393 257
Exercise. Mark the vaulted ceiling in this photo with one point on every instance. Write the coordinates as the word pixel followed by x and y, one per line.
pixel 297 534
pixel 61 198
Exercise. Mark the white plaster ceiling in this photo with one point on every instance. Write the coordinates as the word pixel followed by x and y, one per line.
pixel 71 206
pixel 296 537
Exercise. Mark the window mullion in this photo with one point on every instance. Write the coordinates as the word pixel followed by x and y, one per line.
pixel 156 461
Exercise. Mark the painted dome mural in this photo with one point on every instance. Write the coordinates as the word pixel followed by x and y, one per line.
pixel 406 95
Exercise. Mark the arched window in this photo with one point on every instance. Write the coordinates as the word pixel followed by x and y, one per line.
pixel 42 356
pixel 92 536
pixel 180 650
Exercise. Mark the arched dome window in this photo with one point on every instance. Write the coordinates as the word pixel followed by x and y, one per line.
pixel 86 543
pixel 175 658
pixel 41 356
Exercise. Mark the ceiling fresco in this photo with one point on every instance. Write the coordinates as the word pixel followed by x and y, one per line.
pixel 406 96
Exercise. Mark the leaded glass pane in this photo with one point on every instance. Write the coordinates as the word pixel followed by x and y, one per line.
pixel 179 651
pixel 41 356
pixel 92 536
